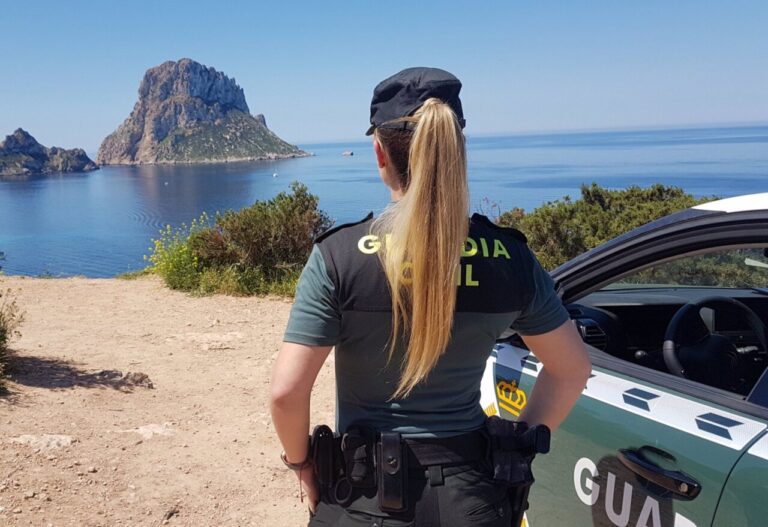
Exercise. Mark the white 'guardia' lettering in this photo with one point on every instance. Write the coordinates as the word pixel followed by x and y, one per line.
pixel 588 491
pixel 621 519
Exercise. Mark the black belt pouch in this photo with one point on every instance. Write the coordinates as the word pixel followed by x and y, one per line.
pixel 391 473
pixel 324 455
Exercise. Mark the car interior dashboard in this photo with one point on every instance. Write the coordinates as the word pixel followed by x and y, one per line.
pixel 631 323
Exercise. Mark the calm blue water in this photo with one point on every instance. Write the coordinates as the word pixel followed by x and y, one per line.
pixel 101 223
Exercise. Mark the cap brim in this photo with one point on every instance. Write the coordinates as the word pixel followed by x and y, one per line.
pixel 370 130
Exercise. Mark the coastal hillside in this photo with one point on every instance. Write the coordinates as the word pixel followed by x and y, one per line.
pixel 191 113
pixel 21 154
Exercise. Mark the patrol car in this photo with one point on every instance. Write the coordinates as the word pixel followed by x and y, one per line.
pixel 671 429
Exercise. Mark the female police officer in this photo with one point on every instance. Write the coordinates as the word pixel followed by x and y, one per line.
pixel 413 302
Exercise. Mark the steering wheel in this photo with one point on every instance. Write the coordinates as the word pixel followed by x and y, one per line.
pixel 708 358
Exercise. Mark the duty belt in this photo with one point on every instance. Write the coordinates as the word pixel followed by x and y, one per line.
pixel 363 459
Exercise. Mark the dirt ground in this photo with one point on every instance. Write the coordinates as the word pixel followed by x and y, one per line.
pixel 82 442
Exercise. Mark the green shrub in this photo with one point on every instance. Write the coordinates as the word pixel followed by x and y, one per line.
pixel 286 286
pixel 11 318
pixel 270 235
pixel 254 251
pixel 232 281
pixel 560 230
pixel 172 257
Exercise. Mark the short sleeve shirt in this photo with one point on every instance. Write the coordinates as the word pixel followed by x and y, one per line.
pixel 342 300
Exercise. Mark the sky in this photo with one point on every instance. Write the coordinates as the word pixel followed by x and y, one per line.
pixel 71 69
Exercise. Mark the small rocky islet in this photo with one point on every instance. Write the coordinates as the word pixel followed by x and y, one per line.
pixel 22 155
pixel 191 113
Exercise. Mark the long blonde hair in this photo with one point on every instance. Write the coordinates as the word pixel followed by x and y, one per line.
pixel 426 230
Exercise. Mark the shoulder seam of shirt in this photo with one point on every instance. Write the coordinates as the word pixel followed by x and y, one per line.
pixel 337 228
pixel 331 272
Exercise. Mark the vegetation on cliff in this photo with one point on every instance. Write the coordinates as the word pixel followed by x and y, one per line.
pixel 245 139
pixel 190 113
pixel 260 249
pixel 563 229
pixel 21 154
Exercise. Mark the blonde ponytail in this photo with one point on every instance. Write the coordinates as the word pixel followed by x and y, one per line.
pixel 427 228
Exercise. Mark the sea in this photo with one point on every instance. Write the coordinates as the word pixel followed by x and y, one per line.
pixel 101 224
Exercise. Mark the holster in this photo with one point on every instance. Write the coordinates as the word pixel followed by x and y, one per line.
pixel 391 472
pixel 513 445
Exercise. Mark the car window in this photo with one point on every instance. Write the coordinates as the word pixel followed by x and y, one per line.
pixel 713 307
pixel 737 268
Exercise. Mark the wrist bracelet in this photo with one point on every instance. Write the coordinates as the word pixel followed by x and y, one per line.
pixel 295 466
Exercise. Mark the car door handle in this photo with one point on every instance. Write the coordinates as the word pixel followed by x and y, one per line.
pixel 678 483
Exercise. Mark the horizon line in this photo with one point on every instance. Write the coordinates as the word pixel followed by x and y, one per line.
pixel 577 131
pixel 559 131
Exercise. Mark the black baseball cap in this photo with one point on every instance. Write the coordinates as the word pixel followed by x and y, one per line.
pixel 404 92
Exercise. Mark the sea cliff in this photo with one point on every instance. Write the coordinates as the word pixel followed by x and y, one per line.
pixel 191 113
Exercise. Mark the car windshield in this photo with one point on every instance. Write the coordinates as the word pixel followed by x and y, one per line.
pixel 733 268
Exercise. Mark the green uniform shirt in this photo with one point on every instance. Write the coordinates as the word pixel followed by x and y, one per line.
pixel 342 300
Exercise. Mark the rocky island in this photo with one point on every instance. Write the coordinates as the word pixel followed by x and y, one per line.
pixel 191 113
pixel 21 155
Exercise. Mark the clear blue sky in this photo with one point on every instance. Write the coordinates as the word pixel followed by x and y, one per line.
pixel 71 69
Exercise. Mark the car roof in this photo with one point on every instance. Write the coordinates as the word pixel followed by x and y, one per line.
pixel 737 204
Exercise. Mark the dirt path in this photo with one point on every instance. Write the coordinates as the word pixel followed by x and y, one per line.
pixel 82 445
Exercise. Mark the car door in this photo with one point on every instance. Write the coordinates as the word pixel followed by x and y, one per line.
pixel 641 447
pixel 744 497
pixel 631 453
